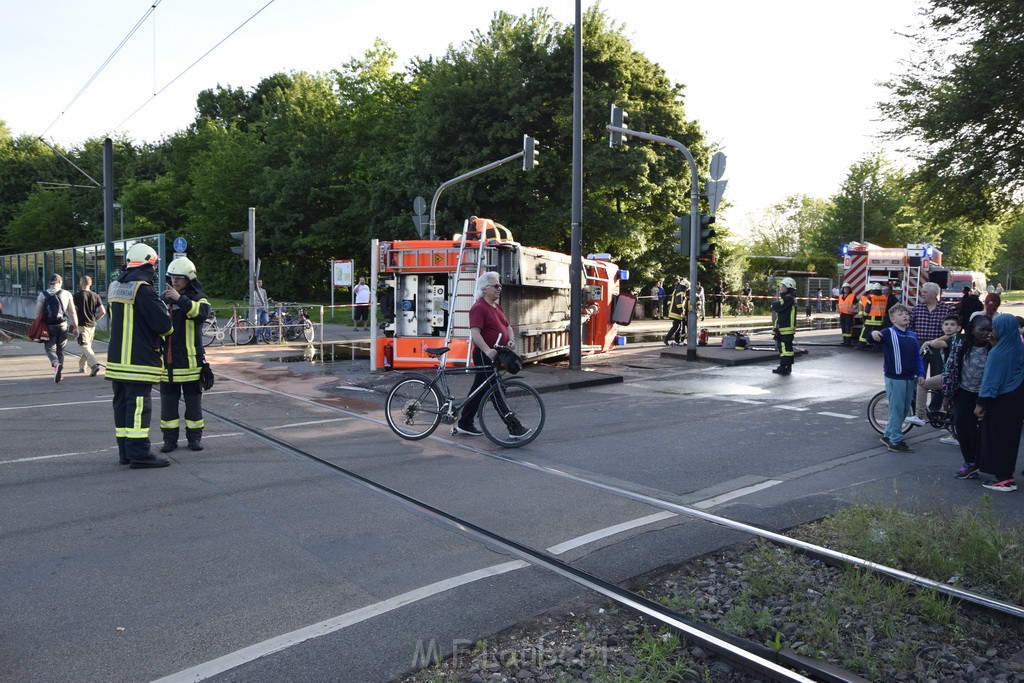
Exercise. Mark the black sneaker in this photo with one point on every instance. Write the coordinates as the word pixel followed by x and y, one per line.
pixel 471 430
pixel 885 441
pixel 900 447
pixel 518 431
pixel 95 370
pixel 967 471
pixel 168 446
pixel 58 373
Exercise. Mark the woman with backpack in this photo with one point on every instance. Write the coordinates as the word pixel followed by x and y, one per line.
pixel 57 309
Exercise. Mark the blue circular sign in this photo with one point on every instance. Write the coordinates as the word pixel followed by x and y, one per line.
pixel 180 245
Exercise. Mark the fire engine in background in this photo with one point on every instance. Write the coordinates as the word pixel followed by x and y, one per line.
pixel 903 269
pixel 958 279
pixel 430 289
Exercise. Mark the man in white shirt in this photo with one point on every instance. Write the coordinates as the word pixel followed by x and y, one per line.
pixel 361 299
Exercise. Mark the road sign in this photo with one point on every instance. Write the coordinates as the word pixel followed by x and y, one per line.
pixel 419 206
pixel 421 222
pixel 715 189
pixel 717 166
pixel 180 245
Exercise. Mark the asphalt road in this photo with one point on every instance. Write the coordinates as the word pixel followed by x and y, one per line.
pixel 246 563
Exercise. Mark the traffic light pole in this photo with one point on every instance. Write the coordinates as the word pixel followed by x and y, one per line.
pixel 691 320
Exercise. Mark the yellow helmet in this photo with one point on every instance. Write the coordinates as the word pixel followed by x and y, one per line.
pixel 183 267
pixel 139 255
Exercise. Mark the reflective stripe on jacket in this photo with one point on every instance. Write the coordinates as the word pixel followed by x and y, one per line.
pixel 785 309
pixel 847 304
pixel 875 310
pixel 138 325
pixel 185 354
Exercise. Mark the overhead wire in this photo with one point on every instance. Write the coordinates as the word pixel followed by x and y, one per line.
pixel 102 66
pixel 190 66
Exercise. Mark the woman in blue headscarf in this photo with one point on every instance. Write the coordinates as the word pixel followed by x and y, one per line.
pixel 1001 405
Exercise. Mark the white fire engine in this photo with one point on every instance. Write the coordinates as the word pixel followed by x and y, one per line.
pixel 430 289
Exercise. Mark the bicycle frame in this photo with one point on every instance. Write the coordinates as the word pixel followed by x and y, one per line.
pixel 451 405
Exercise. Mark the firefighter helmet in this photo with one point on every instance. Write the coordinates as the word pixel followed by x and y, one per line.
pixel 788 283
pixel 140 254
pixel 845 285
pixel 183 267
pixel 684 282
pixel 875 287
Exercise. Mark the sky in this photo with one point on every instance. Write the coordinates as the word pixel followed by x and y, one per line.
pixel 787 89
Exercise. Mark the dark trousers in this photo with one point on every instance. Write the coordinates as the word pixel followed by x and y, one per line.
pixel 1000 434
pixel 170 425
pixel 132 411
pixel 846 325
pixel 786 354
pixel 966 424
pixel 677 331
pixel 716 307
pixel 54 346
pixel 472 406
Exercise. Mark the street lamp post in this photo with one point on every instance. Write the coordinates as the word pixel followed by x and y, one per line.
pixel 862 200
pixel 120 210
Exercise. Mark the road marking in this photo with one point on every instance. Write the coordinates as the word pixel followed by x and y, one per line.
pixel 609 531
pixel 790 408
pixel 235 659
pixel 738 493
pixel 311 422
pixel 102 450
pixel 104 399
pixel 845 417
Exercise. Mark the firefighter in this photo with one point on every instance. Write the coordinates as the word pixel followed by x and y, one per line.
pixel 784 309
pixel 847 310
pixel 873 304
pixel 184 356
pixel 139 324
pixel 678 309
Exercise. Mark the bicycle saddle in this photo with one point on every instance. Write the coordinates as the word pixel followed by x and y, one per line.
pixel 437 351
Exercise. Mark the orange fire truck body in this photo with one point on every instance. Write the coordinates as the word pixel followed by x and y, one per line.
pixel 427 292
pixel 905 269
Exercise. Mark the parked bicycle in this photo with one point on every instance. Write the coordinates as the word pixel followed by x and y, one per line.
pixel 418 403
pixel 744 307
pixel 878 416
pixel 239 330
pixel 283 324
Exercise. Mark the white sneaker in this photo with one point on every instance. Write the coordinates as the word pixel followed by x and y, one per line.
pixel 914 420
pixel 949 440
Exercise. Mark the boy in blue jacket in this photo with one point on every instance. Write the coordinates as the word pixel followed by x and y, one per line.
pixel 903 369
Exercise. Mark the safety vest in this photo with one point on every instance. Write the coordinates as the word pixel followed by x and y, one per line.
pixel 875 310
pixel 847 304
pixel 185 354
pixel 680 305
pixel 138 325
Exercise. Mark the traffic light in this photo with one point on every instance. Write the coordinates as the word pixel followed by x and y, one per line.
pixel 618 116
pixel 706 233
pixel 529 153
pixel 243 244
pixel 682 235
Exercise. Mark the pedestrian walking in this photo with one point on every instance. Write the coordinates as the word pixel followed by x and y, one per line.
pixel 139 325
pixel 184 356
pixel 1000 405
pixel 678 310
pixel 784 312
pixel 658 300
pixel 903 370
pixel 57 307
pixel 90 309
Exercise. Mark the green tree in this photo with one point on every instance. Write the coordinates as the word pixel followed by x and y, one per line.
pixel 960 102
pixel 787 237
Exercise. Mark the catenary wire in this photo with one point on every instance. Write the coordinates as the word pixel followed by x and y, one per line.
pixel 102 66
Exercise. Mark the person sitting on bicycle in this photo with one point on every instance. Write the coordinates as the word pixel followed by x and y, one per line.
pixel 488 328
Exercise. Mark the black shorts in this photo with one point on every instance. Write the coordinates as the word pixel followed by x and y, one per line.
pixel 362 312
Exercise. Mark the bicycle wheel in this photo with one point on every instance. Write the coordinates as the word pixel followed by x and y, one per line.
pixel 413 408
pixel 210 331
pixel 878 413
pixel 512 413
pixel 308 332
pixel 242 332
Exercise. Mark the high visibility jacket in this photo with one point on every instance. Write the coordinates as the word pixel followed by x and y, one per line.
pixel 874 312
pixel 184 353
pixel 785 312
pixel 847 304
pixel 138 326
pixel 680 305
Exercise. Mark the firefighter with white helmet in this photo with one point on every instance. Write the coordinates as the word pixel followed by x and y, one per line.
pixel 678 309
pixel 139 326
pixel 183 356
pixel 873 304
pixel 848 309
pixel 784 308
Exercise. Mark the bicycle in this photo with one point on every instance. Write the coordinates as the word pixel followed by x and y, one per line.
pixel 240 330
pixel 878 416
pixel 281 323
pixel 744 307
pixel 418 403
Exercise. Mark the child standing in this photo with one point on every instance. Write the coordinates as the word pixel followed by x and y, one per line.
pixel 903 369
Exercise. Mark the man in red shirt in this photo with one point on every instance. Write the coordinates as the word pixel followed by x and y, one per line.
pixel 488 328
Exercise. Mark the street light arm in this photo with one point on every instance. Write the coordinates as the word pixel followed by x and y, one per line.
pixel 458 179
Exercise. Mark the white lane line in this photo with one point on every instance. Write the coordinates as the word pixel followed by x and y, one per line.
pixel 104 399
pixel 738 493
pixel 102 450
pixel 790 408
pixel 311 422
pixel 845 417
pixel 287 640
pixel 609 531
pixel 235 659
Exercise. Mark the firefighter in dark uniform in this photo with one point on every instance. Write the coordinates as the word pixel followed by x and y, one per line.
pixel 874 309
pixel 139 324
pixel 183 356
pixel 678 309
pixel 784 308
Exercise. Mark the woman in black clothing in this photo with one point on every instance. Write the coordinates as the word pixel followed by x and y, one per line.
pixel 961 380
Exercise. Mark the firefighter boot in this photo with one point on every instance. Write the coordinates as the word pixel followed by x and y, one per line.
pixel 783 370
pixel 195 440
pixel 170 440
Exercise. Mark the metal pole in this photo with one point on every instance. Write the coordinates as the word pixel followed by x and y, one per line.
pixel 108 207
pixel 862 199
pixel 576 232
pixel 448 183
pixel 252 265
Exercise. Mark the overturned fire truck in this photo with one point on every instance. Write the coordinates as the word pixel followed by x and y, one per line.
pixel 903 269
pixel 429 289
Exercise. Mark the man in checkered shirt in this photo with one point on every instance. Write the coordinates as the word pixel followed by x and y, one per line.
pixel 926 322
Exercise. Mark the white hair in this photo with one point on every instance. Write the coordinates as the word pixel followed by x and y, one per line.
pixel 932 287
pixel 484 280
